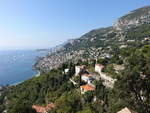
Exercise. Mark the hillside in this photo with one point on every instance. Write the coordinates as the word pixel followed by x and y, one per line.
pixel 102 42
pixel 127 47
pixel 57 88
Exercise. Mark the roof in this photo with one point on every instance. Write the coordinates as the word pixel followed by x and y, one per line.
pixel 41 109
pixel 100 65
pixel 87 75
pixel 126 110
pixel 82 66
pixel 88 87
pixel 118 67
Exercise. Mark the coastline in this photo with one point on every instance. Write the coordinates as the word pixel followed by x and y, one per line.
pixel 36 75
pixel 18 66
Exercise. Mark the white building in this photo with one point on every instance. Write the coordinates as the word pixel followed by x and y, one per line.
pixel 118 68
pixel 108 81
pixel 87 78
pixel 99 68
pixel 78 69
pixel 66 70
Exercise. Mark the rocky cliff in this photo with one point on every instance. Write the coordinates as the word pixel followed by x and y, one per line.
pixel 134 18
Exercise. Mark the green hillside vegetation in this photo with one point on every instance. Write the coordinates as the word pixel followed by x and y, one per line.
pixel 55 87
pixel 110 37
pixel 139 33
pixel 132 88
pixel 85 42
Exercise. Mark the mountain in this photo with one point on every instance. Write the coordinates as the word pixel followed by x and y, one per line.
pixel 134 18
pixel 126 46
pixel 129 30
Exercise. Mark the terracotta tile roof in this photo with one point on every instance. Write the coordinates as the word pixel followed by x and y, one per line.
pixel 41 109
pixel 88 87
pixel 126 110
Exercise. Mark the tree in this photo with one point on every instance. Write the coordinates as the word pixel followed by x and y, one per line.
pixel 86 110
pixel 134 84
pixel 20 107
pixel 100 90
pixel 88 97
pixel 69 102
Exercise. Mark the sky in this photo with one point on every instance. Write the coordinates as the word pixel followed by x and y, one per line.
pixel 31 24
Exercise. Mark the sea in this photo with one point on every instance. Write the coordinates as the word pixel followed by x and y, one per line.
pixel 17 65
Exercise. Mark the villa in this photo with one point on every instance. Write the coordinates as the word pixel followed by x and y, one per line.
pixel 87 87
pixel 88 77
pixel 78 69
pixel 41 109
pixel 108 81
pixel 99 68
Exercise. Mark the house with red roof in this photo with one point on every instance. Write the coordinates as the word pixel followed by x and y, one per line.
pixel 41 109
pixel 87 87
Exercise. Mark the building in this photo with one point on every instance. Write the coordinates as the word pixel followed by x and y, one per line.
pixel 66 70
pixel 130 40
pixel 41 109
pixel 126 110
pixel 87 87
pixel 78 69
pixel 108 81
pixel 99 68
pixel 118 68
pixel 88 77
pixel 147 39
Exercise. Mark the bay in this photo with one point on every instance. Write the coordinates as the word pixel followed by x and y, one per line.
pixel 16 65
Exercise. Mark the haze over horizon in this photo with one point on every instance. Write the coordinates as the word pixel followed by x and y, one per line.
pixel 26 24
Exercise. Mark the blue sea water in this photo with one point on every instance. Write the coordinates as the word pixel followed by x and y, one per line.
pixel 16 65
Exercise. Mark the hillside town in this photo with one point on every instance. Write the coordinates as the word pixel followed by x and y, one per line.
pixel 106 70
pixel 88 78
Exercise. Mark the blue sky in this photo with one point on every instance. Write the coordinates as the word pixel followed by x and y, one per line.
pixel 27 24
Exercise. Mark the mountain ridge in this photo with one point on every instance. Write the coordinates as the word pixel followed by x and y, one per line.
pixel 134 18
pixel 123 56
pixel 100 42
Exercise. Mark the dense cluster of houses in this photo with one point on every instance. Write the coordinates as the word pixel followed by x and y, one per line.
pixel 2 89
pixel 55 59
